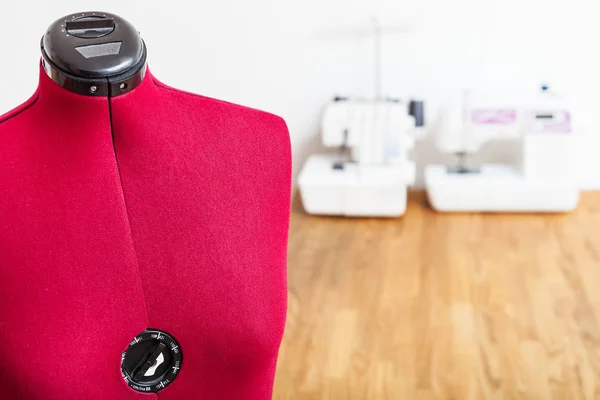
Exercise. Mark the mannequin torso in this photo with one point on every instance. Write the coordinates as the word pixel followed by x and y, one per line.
pixel 154 209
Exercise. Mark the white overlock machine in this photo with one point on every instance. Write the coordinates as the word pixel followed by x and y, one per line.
pixel 541 180
pixel 369 174
pixel 371 171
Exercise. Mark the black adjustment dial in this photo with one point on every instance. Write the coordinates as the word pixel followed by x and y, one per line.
pixel 151 362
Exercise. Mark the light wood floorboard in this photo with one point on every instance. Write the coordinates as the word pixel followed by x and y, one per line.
pixel 443 306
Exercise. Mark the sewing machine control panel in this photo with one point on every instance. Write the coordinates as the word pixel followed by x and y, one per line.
pixel 556 121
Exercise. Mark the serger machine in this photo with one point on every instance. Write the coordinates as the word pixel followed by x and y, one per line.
pixel 542 179
pixel 370 173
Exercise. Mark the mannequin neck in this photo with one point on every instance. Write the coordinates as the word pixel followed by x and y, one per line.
pixel 51 92
pixel 111 86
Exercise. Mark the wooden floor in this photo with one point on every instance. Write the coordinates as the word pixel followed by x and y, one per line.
pixel 440 306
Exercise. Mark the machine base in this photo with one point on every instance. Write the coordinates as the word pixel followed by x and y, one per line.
pixel 498 188
pixel 358 191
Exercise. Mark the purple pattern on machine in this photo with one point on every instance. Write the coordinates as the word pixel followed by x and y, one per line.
pixel 493 116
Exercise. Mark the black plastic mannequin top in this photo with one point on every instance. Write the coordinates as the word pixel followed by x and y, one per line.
pixel 94 53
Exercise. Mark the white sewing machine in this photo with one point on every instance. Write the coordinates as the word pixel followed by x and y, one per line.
pixel 543 179
pixel 369 176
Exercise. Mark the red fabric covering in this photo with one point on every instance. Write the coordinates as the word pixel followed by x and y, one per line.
pixel 186 233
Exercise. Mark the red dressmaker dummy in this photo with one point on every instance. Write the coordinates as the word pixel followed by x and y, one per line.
pixel 143 231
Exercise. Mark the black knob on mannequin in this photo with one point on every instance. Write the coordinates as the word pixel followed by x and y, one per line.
pixel 94 53
pixel 90 27
pixel 151 362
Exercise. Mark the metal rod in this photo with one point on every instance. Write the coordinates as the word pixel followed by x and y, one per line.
pixel 378 54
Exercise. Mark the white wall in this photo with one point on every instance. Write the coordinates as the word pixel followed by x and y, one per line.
pixel 283 56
